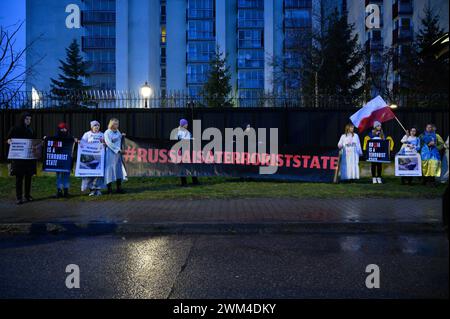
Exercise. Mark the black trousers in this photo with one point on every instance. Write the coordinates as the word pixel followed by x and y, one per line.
pixel 19 186
pixel 377 169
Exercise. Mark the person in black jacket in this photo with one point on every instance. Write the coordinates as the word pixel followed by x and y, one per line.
pixel 23 169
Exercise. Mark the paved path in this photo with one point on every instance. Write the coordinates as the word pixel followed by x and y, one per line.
pixel 226 212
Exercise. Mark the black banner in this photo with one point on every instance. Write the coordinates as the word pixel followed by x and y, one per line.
pixel 58 154
pixel 157 158
pixel 378 151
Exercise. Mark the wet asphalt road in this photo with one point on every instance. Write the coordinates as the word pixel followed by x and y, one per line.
pixel 226 266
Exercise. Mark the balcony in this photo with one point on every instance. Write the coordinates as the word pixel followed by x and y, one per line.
pixel 402 35
pixel 250 4
pixel 200 14
pixel 402 7
pixel 98 17
pixel 93 43
pixel 103 68
pixel 297 4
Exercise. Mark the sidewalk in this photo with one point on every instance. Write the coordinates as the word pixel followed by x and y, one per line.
pixel 239 215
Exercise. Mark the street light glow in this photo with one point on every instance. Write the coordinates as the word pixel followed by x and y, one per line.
pixel 146 91
pixel 393 106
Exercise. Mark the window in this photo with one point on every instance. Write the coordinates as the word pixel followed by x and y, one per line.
pixel 251 79
pixel 197 73
pixel 259 4
pixel 297 18
pixel 200 51
pixel 200 30
pixel 251 19
pixel 250 39
pixel 250 59
pixel 163 34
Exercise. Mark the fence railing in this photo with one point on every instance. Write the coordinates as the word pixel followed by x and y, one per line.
pixel 180 99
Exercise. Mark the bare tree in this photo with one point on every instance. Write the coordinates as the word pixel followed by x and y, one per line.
pixel 12 67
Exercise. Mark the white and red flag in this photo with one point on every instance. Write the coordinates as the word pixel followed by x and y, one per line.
pixel 375 110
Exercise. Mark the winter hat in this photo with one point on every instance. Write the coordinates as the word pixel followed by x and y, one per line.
pixel 183 122
pixel 376 123
pixel 62 126
pixel 94 123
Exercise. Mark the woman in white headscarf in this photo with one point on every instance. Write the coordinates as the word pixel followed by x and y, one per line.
pixel 94 184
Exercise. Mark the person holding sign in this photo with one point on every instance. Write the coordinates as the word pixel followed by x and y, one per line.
pixel 114 169
pixel 431 144
pixel 59 154
pixel 184 134
pixel 410 146
pixel 350 147
pixel 23 169
pixel 377 166
pixel 94 184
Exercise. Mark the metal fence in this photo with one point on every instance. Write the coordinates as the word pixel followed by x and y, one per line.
pixel 305 127
pixel 180 99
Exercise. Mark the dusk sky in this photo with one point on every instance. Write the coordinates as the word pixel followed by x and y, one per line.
pixel 12 12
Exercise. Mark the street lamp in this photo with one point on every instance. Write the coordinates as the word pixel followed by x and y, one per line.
pixel 393 106
pixel 146 92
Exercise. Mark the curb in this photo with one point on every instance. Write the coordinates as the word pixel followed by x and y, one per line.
pixel 104 228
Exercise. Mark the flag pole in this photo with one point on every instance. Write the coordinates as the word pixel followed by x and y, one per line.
pixel 398 121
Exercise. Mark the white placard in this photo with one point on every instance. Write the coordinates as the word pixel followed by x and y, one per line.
pixel 90 159
pixel 408 165
pixel 25 149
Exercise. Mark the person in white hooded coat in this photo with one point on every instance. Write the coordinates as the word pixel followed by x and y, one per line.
pixel 350 147
pixel 114 169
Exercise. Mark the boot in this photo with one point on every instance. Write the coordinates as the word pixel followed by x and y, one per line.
pixel 59 193
pixel 66 192
pixel 119 187
pixel 109 191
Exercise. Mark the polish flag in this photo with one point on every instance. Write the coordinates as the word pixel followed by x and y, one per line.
pixel 375 110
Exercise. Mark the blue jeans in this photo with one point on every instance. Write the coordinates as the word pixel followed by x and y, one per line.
pixel 62 180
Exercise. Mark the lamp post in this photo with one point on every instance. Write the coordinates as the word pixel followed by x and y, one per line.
pixel 146 92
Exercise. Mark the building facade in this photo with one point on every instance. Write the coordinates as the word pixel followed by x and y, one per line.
pixel 400 20
pixel 169 43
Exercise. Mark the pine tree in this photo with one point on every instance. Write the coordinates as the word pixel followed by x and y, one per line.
pixel 216 91
pixel 336 63
pixel 432 73
pixel 74 70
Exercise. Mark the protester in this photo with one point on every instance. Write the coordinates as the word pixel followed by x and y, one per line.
pixel 377 168
pixel 23 169
pixel 431 144
pixel 63 178
pixel 350 147
pixel 114 169
pixel 184 134
pixel 410 146
pixel 94 184
pixel 444 173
